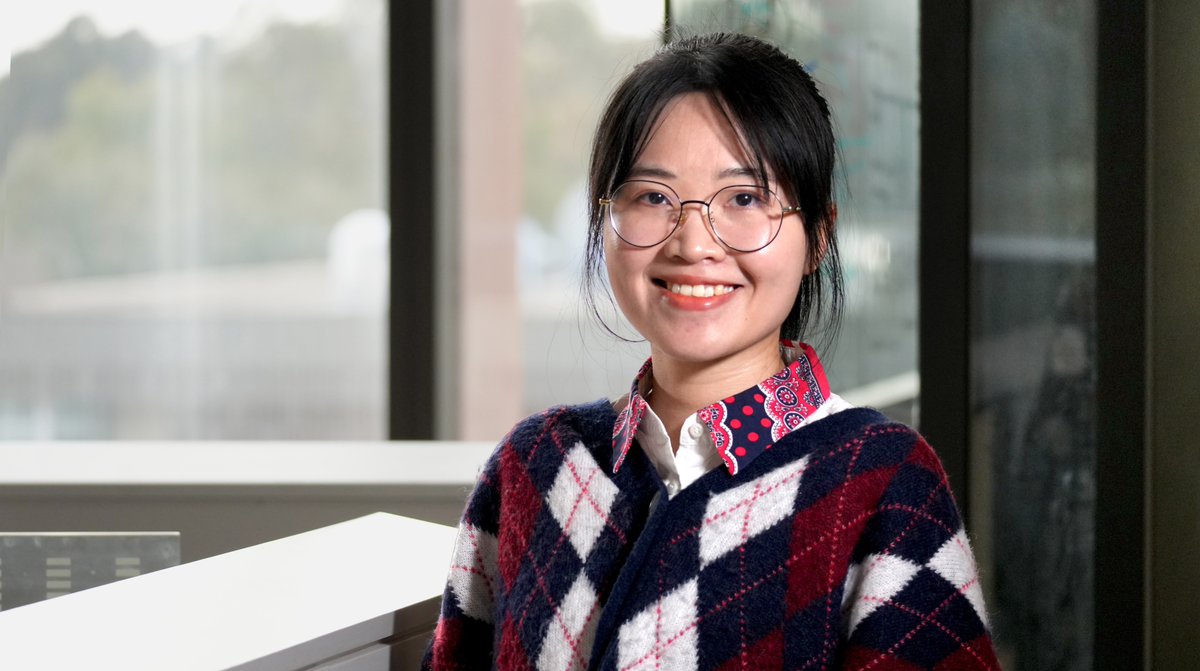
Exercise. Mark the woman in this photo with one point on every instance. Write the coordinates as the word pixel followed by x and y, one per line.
pixel 730 511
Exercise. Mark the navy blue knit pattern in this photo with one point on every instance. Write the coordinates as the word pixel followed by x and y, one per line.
pixel 838 547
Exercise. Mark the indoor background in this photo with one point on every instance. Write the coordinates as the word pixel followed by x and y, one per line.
pixel 310 226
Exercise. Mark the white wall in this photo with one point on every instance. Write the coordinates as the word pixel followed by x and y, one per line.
pixel 225 496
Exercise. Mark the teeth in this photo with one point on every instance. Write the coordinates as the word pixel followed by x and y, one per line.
pixel 700 290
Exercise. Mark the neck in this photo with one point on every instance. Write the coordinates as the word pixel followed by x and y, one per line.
pixel 680 388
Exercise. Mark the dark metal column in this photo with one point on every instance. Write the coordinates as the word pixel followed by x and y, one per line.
pixel 412 206
pixel 1121 252
pixel 944 235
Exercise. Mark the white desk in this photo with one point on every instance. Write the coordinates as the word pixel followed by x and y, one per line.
pixel 362 594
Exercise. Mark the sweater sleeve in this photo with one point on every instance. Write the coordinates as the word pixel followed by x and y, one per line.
pixel 913 598
pixel 464 634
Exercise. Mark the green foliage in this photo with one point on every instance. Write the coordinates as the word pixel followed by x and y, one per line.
pixel 36 93
pixel 78 194
pixel 290 145
pixel 124 158
pixel 75 98
pixel 567 68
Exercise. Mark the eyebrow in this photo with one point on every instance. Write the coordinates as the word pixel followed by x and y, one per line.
pixel 662 173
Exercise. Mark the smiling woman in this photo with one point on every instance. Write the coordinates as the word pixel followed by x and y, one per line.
pixel 684 292
pixel 730 511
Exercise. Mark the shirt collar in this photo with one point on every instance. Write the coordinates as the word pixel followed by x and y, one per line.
pixel 748 423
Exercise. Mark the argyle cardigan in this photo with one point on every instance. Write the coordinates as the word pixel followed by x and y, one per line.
pixel 840 547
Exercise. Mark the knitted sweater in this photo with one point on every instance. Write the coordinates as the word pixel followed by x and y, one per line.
pixel 840 547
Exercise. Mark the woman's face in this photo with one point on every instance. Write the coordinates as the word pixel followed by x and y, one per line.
pixel 696 152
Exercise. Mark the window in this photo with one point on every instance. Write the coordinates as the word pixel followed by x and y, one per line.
pixel 194 241
pixel 1033 326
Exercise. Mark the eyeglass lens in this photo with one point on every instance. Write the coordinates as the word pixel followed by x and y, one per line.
pixel 743 217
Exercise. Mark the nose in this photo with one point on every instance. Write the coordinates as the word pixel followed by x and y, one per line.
pixel 694 239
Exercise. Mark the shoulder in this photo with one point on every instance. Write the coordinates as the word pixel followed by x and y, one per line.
pixel 526 461
pixel 870 435
pixel 913 503
pixel 853 428
pixel 902 448
pixel 537 445
pixel 587 423
pixel 860 449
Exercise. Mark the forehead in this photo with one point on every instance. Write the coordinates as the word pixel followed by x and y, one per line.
pixel 693 135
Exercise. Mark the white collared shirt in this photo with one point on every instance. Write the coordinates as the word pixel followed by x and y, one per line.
pixel 697 454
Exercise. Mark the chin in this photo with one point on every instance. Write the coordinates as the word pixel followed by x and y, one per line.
pixel 697 351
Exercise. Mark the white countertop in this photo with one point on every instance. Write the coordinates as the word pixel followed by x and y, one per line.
pixel 299 598
pixel 242 463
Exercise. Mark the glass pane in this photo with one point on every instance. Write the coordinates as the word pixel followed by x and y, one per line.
pixel 1032 325
pixel 194 244
pixel 573 53
pixel 863 54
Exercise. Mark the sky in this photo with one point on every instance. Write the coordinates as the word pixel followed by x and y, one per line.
pixel 171 22
pixel 162 22
pixel 631 18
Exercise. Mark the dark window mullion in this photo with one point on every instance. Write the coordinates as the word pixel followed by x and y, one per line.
pixel 1120 333
pixel 412 207
pixel 944 235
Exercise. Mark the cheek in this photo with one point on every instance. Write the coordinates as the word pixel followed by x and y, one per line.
pixel 634 294
pixel 796 262
pixel 622 270
pixel 610 246
pixel 781 273
pixel 612 260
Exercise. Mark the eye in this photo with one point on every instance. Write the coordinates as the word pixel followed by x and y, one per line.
pixel 747 198
pixel 656 198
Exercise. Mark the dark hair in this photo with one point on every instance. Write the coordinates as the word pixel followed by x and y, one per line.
pixel 775 107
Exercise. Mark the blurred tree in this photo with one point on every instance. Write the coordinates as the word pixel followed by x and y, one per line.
pixel 111 145
pixel 567 68
pixel 35 94
pixel 78 193
pixel 290 145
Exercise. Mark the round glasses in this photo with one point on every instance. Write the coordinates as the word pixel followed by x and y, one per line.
pixel 744 217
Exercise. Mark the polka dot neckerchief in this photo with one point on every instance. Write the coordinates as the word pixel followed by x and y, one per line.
pixel 748 423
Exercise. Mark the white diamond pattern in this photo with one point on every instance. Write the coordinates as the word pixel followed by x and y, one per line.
pixel 734 516
pixel 569 639
pixel 664 635
pixel 473 570
pixel 955 562
pixel 581 499
pixel 872 583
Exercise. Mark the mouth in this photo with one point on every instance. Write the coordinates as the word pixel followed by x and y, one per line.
pixel 695 290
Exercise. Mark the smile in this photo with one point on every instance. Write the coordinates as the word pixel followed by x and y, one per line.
pixel 700 290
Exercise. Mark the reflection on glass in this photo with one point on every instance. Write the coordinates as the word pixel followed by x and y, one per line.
pixel 863 54
pixel 193 243
pixel 1033 325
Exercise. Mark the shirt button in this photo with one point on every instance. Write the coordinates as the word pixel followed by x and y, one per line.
pixel 695 430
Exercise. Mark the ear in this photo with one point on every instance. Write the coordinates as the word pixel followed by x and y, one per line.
pixel 825 231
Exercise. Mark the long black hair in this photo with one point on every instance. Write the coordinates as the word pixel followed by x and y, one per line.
pixel 774 106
